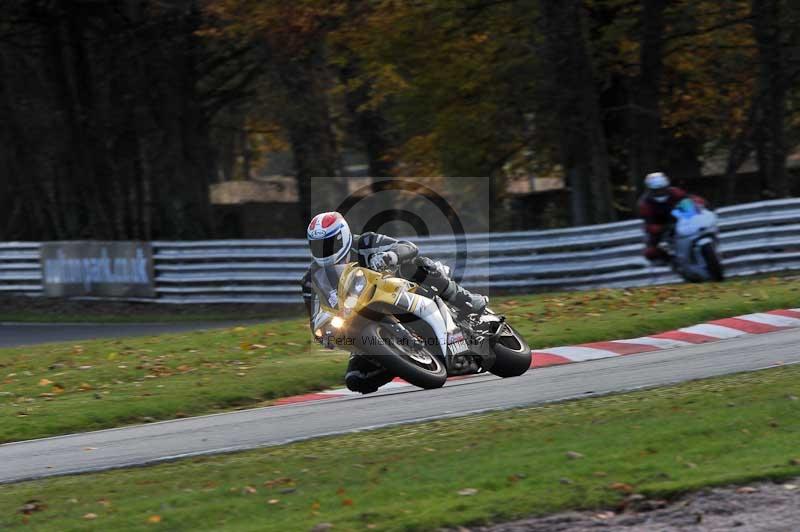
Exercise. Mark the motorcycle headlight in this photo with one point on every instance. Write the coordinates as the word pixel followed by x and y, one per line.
pixel 349 304
pixel 358 284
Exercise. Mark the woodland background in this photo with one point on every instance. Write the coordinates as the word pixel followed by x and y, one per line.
pixel 117 116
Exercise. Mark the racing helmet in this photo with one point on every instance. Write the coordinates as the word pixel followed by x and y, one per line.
pixel 329 238
pixel 657 185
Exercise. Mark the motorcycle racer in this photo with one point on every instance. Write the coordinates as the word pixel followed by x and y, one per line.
pixel 332 242
pixel 655 208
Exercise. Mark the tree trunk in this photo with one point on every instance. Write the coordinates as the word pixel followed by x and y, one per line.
pixel 583 147
pixel 308 122
pixel 645 112
pixel 772 87
pixel 740 150
pixel 369 125
pixel 91 151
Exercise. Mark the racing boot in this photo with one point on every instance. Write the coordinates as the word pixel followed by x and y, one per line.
pixel 463 299
pixel 363 376
pixel 436 276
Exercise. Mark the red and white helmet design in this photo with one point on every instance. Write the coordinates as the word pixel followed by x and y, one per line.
pixel 329 238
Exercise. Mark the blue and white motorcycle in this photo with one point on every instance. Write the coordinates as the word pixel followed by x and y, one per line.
pixel 695 242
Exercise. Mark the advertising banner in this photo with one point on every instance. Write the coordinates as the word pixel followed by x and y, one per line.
pixel 98 269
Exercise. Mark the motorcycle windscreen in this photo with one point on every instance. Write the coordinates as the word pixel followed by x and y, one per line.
pixel 691 224
pixel 326 283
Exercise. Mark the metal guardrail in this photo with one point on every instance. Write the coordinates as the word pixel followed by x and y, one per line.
pixel 756 238
pixel 20 272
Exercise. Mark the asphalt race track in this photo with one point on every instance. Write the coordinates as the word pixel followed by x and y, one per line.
pixel 18 334
pixel 261 427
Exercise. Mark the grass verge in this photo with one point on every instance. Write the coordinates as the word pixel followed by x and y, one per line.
pixel 21 309
pixel 577 455
pixel 59 388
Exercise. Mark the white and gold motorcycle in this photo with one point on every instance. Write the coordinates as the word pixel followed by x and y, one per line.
pixel 409 331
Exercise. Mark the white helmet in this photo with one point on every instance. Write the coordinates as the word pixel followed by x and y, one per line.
pixel 657 185
pixel 329 238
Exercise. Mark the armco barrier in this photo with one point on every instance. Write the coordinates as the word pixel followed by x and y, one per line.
pixel 756 238
pixel 20 272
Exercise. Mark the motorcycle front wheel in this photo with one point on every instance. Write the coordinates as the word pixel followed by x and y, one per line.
pixel 419 366
pixel 711 256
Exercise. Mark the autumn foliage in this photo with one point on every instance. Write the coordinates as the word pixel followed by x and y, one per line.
pixel 117 120
pixel 600 92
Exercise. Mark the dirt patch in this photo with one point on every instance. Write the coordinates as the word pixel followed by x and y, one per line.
pixel 757 507
pixel 22 308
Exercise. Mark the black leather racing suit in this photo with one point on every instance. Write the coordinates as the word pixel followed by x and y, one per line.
pixel 361 375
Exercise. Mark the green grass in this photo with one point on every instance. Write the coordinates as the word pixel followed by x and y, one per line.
pixel 149 317
pixel 579 317
pixel 658 442
pixel 44 310
pixel 60 388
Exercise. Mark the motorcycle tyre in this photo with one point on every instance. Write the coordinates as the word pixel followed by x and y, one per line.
pixel 397 363
pixel 513 355
pixel 713 264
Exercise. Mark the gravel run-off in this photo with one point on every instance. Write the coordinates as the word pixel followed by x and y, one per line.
pixel 756 507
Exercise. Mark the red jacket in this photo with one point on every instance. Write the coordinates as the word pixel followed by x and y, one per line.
pixel 658 215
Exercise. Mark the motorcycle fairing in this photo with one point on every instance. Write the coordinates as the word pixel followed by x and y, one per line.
pixel 456 342
pixel 692 219
pixel 695 226
pixel 400 294
pixel 321 317
pixel 426 310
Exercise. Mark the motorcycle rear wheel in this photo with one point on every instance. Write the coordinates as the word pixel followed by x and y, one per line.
pixel 513 355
